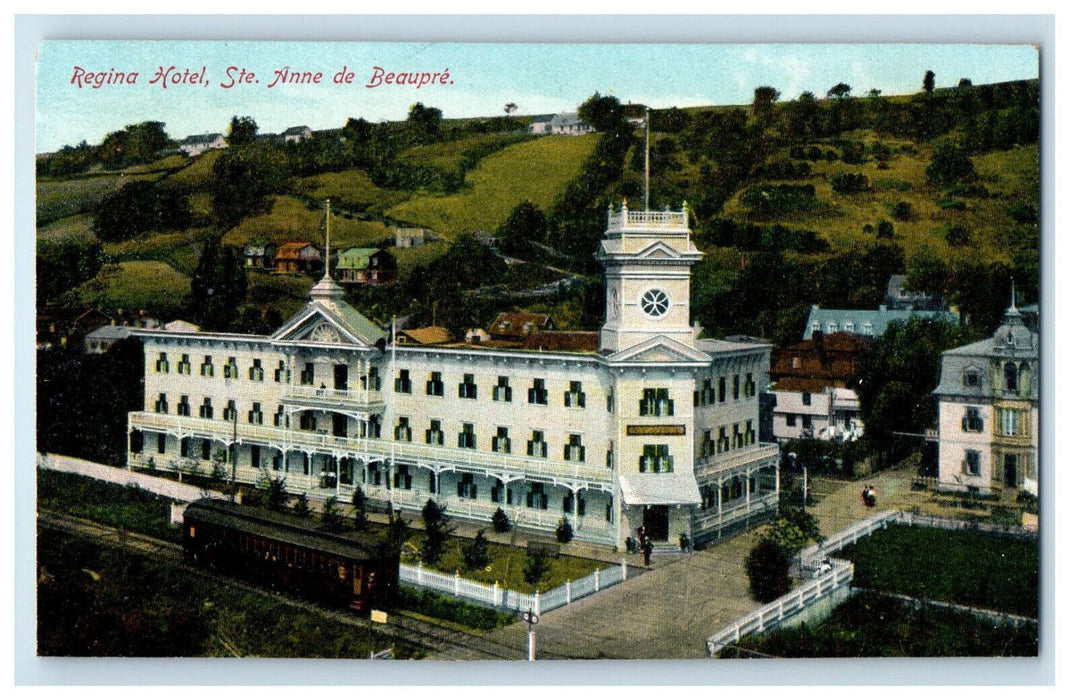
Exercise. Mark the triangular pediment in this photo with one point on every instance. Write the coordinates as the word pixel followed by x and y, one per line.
pixel 658 251
pixel 658 349
pixel 318 324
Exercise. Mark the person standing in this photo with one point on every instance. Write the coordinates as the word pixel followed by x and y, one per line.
pixel 647 548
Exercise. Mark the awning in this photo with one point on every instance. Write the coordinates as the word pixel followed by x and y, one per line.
pixel 672 488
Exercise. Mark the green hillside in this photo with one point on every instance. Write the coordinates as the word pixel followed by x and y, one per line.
pixel 143 284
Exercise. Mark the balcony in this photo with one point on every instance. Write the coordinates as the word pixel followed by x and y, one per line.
pixel 374 449
pixel 316 397
pixel 730 461
pixel 623 219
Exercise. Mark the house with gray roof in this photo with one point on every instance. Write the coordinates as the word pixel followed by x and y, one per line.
pixel 869 323
pixel 200 143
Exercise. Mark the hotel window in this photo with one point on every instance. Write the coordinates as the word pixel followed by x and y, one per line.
pixel 537 498
pixel 738 437
pixel 574 450
pixel 306 421
pixel 537 393
pixel 1010 421
pixel 373 427
pixel 434 436
pixel 466 438
pixel 721 389
pixel 501 442
pixel 185 447
pixel 749 385
pixel 256 373
pixel 162 363
pixel 536 446
pixel 161 443
pixel 723 440
pixel 971 465
pixel 402 431
pixel 402 383
pixel 707 447
pixel 402 478
pixel 206 409
pixel 161 405
pixel 230 410
pixel 466 487
pixel 574 397
pixel 281 374
pixel 971 422
pixel 1009 372
pixel 183 408
pixel 805 398
pixel 231 369
pixel 791 420
pixel 707 393
pixel 849 327
pixel 749 433
pixel 503 392
pixel 655 458
pixel 736 387
pixel 206 447
pixel 306 375
pixel 256 456
pixel 254 416
pixel 434 385
pixel 207 366
pixel 280 418
pixel 609 456
pixel 184 366
pixel 609 401
pixel 831 327
pixel 468 389
pixel 656 403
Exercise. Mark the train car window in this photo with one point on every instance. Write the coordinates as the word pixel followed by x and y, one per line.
pixel 192 531
pixel 342 572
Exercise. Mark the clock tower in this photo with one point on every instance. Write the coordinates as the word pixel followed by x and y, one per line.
pixel 647 257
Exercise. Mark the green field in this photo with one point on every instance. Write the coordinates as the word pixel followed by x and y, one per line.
pixel 57 199
pixel 137 284
pixel 291 219
pixel 956 566
pixel 871 625
pixel 536 170
pixel 350 189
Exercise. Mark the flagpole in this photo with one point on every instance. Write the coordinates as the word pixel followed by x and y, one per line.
pixel 647 159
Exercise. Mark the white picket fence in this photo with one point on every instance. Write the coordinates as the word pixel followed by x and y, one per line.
pixel 496 596
pixel 811 557
pixel 915 519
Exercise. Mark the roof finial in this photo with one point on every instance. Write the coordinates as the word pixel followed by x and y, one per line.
pixel 1013 297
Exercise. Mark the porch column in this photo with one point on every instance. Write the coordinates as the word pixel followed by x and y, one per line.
pixel 748 491
pixel 721 484
pixel 576 509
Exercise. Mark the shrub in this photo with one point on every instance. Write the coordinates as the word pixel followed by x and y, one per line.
pixel 477 554
pixel 884 229
pixel 500 521
pixel 1024 214
pixel 301 507
pixel 536 566
pixel 849 183
pixel 437 532
pixel 277 496
pixel 955 204
pixel 768 571
pixel 359 507
pixel 902 211
pixel 445 608
pixel 332 520
pixel 957 235
pixel 564 531
pixel 769 199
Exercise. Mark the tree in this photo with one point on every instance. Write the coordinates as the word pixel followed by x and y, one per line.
pixel 437 531
pixel 803 117
pixel 964 83
pixel 563 531
pixel 241 131
pixel 137 143
pixel 500 521
pixel 535 566
pixel 929 82
pixel 138 207
pixel 332 520
pixel 767 567
pixel 510 108
pixel 604 112
pixel 839 91
pixel 950 162
pixel 64 263
pixel 277 498
pixel 763 103
pixel 359 508
pixel 424 123
pixel 525 226
pixel 243 179
pixel 794 529
pixel 302 506
pixel 218 286
pixel 884 229
pixel 477 553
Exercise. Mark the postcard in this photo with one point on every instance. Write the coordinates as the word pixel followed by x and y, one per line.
pixel 537 351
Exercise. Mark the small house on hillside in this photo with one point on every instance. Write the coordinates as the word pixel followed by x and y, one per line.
pixel 260 257
pixel 296 134
pixel 101 340
pixel 366 266
pixel 429 335
pixel 541 124
pixel 517 326
pixel 898 297
pixel 569 124
pixel 297 256
pixel 200 143
pixel 412 237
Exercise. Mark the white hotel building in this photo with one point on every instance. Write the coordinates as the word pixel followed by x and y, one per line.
pixel 634 434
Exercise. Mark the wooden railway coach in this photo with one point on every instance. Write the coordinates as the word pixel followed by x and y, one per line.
pixel 285 552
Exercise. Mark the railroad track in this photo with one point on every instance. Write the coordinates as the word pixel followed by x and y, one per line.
pixel 422 634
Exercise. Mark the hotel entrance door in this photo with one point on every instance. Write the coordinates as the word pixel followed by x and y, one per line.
pixel 656 521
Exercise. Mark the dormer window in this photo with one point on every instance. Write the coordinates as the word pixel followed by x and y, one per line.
pixel 972 378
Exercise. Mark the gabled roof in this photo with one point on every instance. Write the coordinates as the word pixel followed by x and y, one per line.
pixel 200 138
pixel 352 326
pixel 519 324
pixel 295 131
pixel 871 322
pixel 658 349
pixel 107 332
pixel 290 249
pixel 430 335
pixel 355 258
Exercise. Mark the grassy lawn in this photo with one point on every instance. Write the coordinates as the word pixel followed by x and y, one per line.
pixel 969 568
pixel 499 183
pixel 291 219
pixel 199 174
pixel 95 600
pixel 79 226
pixel 138 284
pixel 177 249
pixel 351 189
pixel 869 625
pixel 57 199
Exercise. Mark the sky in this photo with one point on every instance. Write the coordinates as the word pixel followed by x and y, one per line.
pixel 482 78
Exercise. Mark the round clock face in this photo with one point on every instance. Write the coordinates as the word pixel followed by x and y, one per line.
pixel 654 302
pixel 324 333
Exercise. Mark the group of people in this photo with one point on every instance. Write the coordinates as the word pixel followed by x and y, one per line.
pixel 868 496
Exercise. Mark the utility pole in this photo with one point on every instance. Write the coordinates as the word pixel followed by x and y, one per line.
pixel 235 450
pixel 647 159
